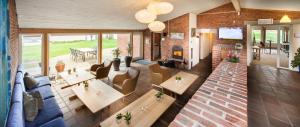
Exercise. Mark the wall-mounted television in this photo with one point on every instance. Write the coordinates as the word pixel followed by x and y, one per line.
pixel 232 33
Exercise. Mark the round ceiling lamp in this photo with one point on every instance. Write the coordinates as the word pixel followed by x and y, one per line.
pixel 160 7
pixel 145 16
pixel 157 26
pixel 285 19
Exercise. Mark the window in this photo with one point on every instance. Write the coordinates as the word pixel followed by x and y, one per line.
pixel 32 53
pixel 256 35
pixel 74 50
pixel 271 35
pixel 114 41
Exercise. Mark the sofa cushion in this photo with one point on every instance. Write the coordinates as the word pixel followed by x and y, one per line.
pixel 31 108
pixel 16 117
pixel 58 122
pixel 43 81
pixel 30 82
pixel 17 95
pixel 45 91
pixel 50 112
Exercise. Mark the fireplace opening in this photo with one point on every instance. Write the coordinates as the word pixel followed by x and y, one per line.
pixel 177 52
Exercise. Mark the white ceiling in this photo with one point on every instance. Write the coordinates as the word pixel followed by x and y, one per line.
pixel 292 5
pixel 118 14
pixel 98 14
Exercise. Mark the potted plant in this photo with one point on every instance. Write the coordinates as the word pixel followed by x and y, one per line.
pixel 233 57
pixel 60 66
pixel 127 117
pixel 178 79
pixel 159 95
pixel 116 62
pixel 296 61
pixel 129 57
pixel 119 118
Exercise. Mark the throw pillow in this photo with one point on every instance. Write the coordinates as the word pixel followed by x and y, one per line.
pixel 30 82
pixel 37 95
pixel 30 106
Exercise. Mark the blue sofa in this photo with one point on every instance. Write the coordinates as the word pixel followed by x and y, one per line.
pixel 49 116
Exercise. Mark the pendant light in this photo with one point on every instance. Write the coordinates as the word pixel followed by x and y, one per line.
pixel 145 16
pixel 160 8
pixel 157 26
pixel 285 19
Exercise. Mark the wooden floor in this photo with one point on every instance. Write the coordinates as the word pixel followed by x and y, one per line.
pixel 273 97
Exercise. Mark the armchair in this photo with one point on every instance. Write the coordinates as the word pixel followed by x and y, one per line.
pixel 126 83
pixel 159 74
pixel 101 70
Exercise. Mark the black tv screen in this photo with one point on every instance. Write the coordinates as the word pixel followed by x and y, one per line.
pixel 232 33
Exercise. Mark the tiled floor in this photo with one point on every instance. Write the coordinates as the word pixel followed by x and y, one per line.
pixel 273 97
pixel 85 118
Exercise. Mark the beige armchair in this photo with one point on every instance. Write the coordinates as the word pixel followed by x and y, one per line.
pixel 101 70
pixel 159 74
pixel 126 83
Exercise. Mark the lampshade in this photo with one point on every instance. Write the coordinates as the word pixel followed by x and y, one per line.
pixel 157 26
pixel 145 16
pixel 285 19
pixel 160 7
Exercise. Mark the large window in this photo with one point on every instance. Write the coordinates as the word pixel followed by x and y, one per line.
pixel 111 42
pixel 77 50
pixel 271 35
pixel 32 53
pixel 256 35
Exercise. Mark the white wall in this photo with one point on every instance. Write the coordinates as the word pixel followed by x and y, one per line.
pixel 249 45
pixel 193 41
pixel 206 41
pixel 295 43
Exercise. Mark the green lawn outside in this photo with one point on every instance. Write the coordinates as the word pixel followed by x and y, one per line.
pixel 270 35
pixel 33 53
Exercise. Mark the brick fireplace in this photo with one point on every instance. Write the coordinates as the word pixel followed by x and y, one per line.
pixel 177 52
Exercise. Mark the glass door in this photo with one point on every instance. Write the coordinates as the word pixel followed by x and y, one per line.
pixel 32 53
pixel 284 47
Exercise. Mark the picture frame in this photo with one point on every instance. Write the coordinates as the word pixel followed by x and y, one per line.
pixel 177 36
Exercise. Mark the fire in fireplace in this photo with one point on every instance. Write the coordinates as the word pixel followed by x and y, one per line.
pixel 177 52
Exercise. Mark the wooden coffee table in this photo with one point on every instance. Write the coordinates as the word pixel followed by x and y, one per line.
pixel 181 86
pixel 144 111
pixel 76 78
pixel 97 95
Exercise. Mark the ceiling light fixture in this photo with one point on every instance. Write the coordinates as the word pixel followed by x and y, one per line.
pixel 150 14
pixel 145 16
pixel 285 19
pixel 157 26
pixel 160 8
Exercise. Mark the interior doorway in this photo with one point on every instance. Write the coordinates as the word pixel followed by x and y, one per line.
pixel 156 46
pixel 271 45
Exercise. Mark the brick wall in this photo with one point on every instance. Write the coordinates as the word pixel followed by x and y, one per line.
pixel 123 41
pixel 147 45
pixel 176 25
pixel 213 19
pixel 14 38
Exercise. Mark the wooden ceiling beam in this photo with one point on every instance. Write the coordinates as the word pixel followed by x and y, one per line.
pixel 236 4
pixel 45 30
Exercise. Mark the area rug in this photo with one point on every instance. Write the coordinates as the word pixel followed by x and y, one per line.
pixel 143 62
